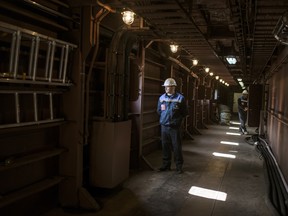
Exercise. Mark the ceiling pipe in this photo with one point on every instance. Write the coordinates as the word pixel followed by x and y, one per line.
pixel 183 66
pixel 47 9
pixel 200 33
pixel 98 18
pixel 107 7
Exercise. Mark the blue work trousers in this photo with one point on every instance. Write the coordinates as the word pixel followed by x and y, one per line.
pixel 243 119
pixel 171 142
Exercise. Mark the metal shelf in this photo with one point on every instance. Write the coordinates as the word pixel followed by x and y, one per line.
pixel 153 79
pixel 12 128
pixel 151 125
pixel 152 94
pixel 149 111
pixel 38 81
pixel 151 140
pixel 12 162
pixel 29 190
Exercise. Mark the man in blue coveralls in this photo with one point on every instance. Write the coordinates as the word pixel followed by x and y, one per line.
pixel 172 109
pixel 242 111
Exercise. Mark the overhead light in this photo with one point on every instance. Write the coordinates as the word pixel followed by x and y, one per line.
pixel 231 60
pixel 194 62
pixel 211 73
pixel 174 48
pixel 216 77
pixel 239 79
pixel 220 80
pixel 128 17
pixel 207 69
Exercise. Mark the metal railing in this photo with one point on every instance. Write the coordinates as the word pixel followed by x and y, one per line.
pixel 19 108
pixel 33 59
pixel 34 47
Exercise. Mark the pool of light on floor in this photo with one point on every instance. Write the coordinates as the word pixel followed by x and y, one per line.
pixel 207 193
pixel 229 143
pixel 236 123
pixel 233 134
pixel 217 154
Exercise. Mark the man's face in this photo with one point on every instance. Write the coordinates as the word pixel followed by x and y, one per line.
pixel 245 95
pixel 170 89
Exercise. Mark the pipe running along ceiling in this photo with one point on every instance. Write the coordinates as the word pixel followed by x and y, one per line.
pixel 212 30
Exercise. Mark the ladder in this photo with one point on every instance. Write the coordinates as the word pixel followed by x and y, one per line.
pixel 34 59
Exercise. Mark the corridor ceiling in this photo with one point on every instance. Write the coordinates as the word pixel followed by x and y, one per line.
pixel 211 30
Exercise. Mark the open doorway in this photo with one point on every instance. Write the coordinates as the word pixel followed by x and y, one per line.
pixel 235 104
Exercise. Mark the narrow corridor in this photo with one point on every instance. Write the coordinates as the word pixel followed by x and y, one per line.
pixel 223 176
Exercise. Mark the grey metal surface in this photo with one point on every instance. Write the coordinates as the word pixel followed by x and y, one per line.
pixel 150 193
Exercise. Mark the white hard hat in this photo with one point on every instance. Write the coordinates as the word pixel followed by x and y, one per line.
pixel 245 92
pixel 170 82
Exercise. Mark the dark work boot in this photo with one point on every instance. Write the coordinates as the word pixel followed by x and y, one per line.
pixel 179 170
pixel 164 168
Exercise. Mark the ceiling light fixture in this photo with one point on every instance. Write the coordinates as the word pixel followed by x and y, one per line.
pixel 207 69
pixel 128 17
pixel 217 77
pixel 174 48
pixel 231 60
pixel 211 73
pixel 195 62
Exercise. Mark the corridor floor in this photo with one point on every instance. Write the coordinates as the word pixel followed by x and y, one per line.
pixel 223 176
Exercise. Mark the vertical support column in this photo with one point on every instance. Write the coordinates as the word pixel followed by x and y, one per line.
pixel 188 117
pixel 51 61
pixel 31 56
pixel 51 106
pixel 65 63
pixel 105 85
pixel 141 93
pixel 61 62
pixel 17 107
pixel 48 59
pixel 17 49
pixel 34 68
pixel 12 53
pixel 35 106
pixel 16 57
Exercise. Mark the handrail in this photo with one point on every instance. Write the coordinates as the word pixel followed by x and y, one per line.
pixel 53 48
pixel 12 28
pixel 22 124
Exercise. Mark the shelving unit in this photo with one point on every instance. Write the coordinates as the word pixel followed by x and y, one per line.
pixel 12 162
pixel 34 76
pixel 30 190
pixel 36 49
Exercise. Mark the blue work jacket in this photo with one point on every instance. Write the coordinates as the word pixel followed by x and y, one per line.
pixel 242 104
pixel 172 109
